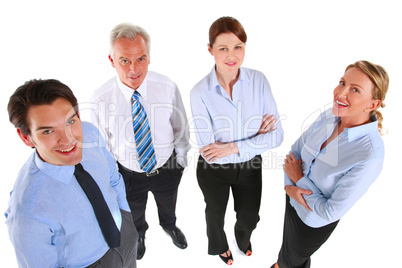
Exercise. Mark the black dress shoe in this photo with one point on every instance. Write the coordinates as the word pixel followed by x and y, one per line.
pixel 178 237
pixel 141 248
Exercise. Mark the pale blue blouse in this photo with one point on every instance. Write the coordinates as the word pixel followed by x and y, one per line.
pixel 218 118
pixel 340 173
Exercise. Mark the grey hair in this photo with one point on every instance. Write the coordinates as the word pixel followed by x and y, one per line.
pixel 129 31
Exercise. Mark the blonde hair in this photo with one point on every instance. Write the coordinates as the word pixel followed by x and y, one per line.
pixel 380 79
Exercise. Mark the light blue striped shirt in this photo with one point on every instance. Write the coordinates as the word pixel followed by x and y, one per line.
pixel 50 220
pixel 217 118
pixel 342 171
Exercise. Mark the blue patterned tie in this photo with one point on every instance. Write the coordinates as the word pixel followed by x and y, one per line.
pixel 142 133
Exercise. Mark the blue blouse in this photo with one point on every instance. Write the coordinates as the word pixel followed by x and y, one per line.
pixel 340 173
pixel 217 118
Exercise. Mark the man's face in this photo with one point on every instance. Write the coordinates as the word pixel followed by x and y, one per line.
pixel 131 60
pixel 56 133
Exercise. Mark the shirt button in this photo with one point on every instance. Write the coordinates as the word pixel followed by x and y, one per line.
pixel 112 107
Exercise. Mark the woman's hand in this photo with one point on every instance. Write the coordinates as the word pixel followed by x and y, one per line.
pixel 218 150
pixel 297 194
pixel 267 125
pixel 293 167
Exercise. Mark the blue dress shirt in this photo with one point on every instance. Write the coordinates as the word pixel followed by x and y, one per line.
pixel 217 118
pixel 50 220
pixel 340 173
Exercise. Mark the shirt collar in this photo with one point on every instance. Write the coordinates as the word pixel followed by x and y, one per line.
pixel 213 82
pixel 61 173
pixel 354 132
pixel 359 131
pixel 128 91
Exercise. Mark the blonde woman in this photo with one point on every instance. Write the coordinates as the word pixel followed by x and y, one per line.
pixel 333 163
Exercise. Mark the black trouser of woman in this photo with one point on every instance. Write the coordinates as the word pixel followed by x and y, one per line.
pixel 215 181
pixel 299 240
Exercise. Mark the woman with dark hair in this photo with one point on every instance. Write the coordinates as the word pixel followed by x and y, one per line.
pixel 333 163
pixel 236 120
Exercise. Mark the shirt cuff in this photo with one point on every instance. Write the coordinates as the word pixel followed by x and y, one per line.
pixel 124 206
pixel 182 161
pixel 288 181
pixel 306 183
pixel 245 151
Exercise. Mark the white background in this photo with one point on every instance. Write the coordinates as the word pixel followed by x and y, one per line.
pixel 302 47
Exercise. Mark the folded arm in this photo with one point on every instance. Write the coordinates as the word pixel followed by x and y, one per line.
pixel 349 188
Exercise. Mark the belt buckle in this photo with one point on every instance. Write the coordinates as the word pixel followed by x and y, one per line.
pixel 153 173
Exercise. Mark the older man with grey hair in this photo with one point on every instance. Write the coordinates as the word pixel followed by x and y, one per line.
pixel 142 118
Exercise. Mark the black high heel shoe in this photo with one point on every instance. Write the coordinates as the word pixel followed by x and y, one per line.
pixel 228 258
pixel 248 248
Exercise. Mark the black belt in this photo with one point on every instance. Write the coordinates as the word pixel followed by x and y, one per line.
pixel 152 172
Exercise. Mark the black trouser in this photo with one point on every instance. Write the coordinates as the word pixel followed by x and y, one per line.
pixel 215 182
pixel 163 186
pixel 299 240
pixel 125 255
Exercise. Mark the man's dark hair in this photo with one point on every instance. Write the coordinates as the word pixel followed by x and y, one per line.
pixel 36 92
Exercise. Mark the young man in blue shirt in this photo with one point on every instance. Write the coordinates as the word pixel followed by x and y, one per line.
pixel 51 218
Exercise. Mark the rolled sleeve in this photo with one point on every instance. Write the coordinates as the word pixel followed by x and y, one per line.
pixel 33 242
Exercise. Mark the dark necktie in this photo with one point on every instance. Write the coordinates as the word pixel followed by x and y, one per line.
pixel 142 134
pixel 105 219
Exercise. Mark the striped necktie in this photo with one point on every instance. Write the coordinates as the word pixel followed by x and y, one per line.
pixel 142 133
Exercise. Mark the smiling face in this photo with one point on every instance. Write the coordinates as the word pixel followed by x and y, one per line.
pixel 56 133
pixel 131 60
pixel 353 98
pixel 228 51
